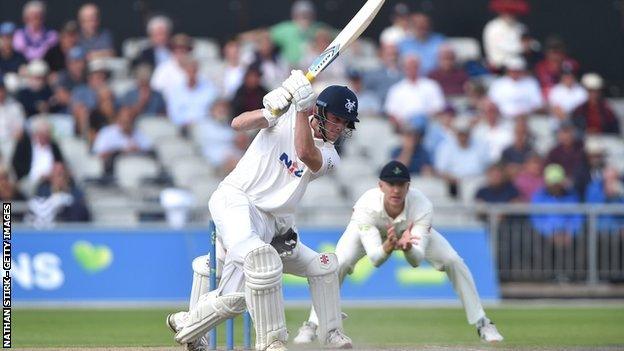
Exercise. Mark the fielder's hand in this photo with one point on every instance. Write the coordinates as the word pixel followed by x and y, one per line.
pixel 407 239
pixel 391 240
pixel 277 100
pixel 301 90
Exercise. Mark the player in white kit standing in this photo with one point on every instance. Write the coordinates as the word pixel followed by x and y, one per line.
pixel 394 217
pixel 255 206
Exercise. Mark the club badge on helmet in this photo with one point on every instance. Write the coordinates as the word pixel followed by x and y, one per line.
pixel 340 101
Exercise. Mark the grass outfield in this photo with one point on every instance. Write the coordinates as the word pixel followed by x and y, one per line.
pixel 383 328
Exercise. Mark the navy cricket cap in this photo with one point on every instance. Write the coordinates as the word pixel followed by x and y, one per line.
pixel 340 101
pixel 394 172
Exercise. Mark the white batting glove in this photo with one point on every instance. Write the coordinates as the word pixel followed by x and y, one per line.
pixel 275 103
pixel 301 90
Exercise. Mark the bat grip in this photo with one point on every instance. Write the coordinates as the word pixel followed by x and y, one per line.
pixel 310 76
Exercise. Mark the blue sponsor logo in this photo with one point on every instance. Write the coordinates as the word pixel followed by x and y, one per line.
pixel 291 166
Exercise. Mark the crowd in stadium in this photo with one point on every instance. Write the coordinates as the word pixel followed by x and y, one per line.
pixel 527 117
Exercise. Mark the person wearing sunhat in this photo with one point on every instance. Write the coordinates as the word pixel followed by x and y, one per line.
pixel 36 96
pixel 502 35
pixel 595 116
pixel 394 217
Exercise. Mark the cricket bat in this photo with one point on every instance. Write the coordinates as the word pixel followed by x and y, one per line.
pixel 348 35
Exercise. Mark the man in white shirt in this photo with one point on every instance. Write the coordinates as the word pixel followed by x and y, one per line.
pixel 169 73
pixel 502 39
pixel 120 137
pixel 255 205
pixel 495 132
pixel 399 29
pixel 567 95
pixel 394 217
pixel 414 95
pixel 11 124
pixel 516 93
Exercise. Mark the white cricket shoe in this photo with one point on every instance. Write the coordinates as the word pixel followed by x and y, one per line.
pixel 336 339
pixel 307 333
pixel 489 333
pixel 176 321
pixel 277 345
pixel 200 344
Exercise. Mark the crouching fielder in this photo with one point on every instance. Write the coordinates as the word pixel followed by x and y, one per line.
pixel 254 206
pixel 394 217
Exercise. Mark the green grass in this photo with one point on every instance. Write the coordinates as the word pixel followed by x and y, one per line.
pixel 384 327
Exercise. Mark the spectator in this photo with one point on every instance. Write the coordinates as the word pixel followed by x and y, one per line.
pixel 10 60
pixel 502 35
pixel 414 95
pixel 159 33
pixel 272 65
pixel 293 36
pixel 93 104
pixel 368 102
pixel 549 70
pixel 120 138
pixel 449 75
pixel 530 177
pixel 11 123
pixel 74 75
pixel 399 30
pixel 607 189
pixel 56 57
pixel 217 138
pixel 189 102
pixel 498 188
pixel 36 96
pixel 234 69
pixel 491 129
pixel 381 79
pixel 460 157
pixel 170 73
pixel 96 41
pixel 595 116
pixel 560 228
pixel 249 96
pixel 142 99
pixel 531 49
pixel 412 153
pixel 34 40
pixel 36 153
pixel 516 94
pixel 439 130
pixel 568 153
pixel 422 42
pixel 60 182
pixel 334 73
pixel 475 93
pixel 516 154
pixel 566 96
pixel 9 192
pixel 593 166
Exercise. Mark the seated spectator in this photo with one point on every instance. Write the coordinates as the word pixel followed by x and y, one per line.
pixel 57 55
pixel 96 41
pixel 142 99
pixel 34 40
pixel 36 152
pixel 531 49
pixel 120 138
pixel 399 30
pixel 560 227
pixel 568 152
pixel 272 65
pixel 11 123
pixel 334 73
pixel 249 96
pixel 368 102
pixel 516 93
pixel 93 104
pixel 530 177
pixel 449 75
pixel 73 76
pixel 218 139
pixel 516 154
pixel 502 35
pixel 566 96
pixel 36 96
pixel 549 70
pixel 60 182
pixel 475 93
pixel 170 73
pixel 595 116
pixel 234 70
pixel 411 152
pixel 461 157
pixel 9 192
pixel 415 95
pixel 159 34
pixel 380 80
pixel 10 60
pixel 607 189
pixel 439 130
pixel 593 166
pixel 491 129
pixel 190 101
pixel 498 188
pixel 422 42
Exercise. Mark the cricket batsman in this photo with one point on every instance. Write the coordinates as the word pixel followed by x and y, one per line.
pixel 394 217
pixel 253 210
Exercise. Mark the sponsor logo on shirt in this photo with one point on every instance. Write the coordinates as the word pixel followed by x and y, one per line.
pixel 291 166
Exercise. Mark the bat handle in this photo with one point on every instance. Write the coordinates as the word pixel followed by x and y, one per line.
pixel 311 76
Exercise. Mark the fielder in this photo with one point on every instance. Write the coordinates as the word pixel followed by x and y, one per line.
pixel 254 206
pixel 394 217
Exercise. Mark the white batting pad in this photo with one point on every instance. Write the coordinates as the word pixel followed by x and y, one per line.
pixel 201 279
pixel 325 291
pixel 263 293
pixel 210 312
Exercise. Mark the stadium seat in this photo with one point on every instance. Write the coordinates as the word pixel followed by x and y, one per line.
pixel 322 190
pixel 359 186
pixel 188 170
pixel 156 127
pixel 119 67
pixel 132 47
pixel 131 170
pixel 203 189
pixel 121 86
pixel 468 188
pixel 76 152
pixel 171 148
pixel 352 168
pixel 434 188
pixel 206 48
pixel 466 49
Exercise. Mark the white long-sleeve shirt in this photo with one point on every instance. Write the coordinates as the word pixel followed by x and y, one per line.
pixel 502 41
pixel 516 97
pixel 407 99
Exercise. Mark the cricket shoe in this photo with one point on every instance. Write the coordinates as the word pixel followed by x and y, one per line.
pixel 176 321
pixel 277 345
pixel 200 344
pixel 306 334
pixel 488 332
pixel 336 339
